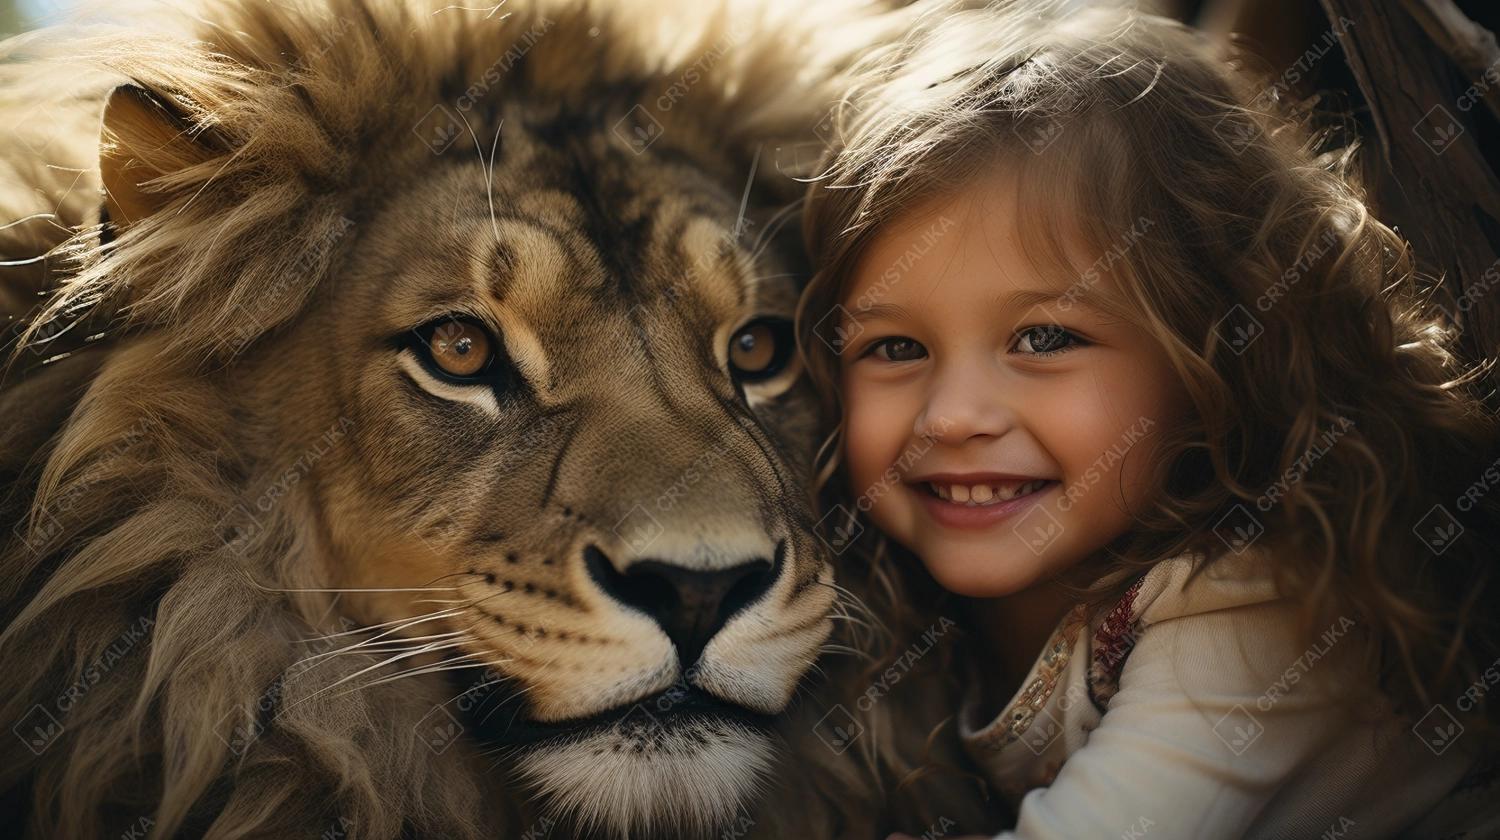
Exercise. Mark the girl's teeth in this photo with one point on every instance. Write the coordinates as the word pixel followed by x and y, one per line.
pixel 981 494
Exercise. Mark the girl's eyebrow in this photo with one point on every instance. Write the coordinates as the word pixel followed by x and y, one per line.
pixel 878 310
pixel 1075 295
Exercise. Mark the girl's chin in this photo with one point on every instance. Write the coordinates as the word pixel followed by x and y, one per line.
pixel 991 571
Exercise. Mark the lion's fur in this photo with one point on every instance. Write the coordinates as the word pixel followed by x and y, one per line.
pixel 125 612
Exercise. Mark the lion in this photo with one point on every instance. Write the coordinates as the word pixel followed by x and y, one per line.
pixel 405 435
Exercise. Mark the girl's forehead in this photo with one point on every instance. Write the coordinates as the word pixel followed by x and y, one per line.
pixel 990 229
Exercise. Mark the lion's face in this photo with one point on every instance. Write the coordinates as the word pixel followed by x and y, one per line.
pixel 565 439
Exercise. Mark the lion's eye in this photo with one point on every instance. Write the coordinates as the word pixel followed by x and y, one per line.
pixel 460 349
pixel 760 349
pixel 457 348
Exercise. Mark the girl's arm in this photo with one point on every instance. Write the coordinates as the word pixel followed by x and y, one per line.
pixel 1217 712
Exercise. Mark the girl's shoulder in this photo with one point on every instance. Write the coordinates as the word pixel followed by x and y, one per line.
pixel 1190 583
pixel 1178 587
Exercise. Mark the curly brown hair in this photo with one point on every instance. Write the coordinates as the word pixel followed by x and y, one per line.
pixel 1331 407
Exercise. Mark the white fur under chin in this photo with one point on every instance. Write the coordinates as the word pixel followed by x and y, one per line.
pixel 640 779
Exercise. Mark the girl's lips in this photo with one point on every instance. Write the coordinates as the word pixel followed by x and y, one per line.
pixel 967 517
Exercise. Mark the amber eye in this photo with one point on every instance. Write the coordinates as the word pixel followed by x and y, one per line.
pixel 760 349
pixel 460 349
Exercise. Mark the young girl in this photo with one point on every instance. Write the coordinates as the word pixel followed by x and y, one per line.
pixel 1126 363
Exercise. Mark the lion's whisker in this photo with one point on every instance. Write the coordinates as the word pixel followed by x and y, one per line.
pixel 490 176
pixel 749 182
pixel 29 218
pixel 436 646
pixel 375 645
pixel 332 604
pixel 365 628
pixel 490 9
pixel 392 678
pixel 459 663
pixel 837 648
pixel 778 220
pixel 462 603
pixel 496 682
pixel 341 590
pixel 441 601
pixel 391 646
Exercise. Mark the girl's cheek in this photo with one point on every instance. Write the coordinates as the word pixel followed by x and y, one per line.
pixel 870 426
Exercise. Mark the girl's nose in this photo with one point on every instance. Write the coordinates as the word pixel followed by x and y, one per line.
pixel 964 403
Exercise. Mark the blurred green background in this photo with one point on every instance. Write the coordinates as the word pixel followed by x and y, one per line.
pixel 10 19
pixel 20 15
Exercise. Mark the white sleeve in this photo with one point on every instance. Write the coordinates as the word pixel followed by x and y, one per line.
pixel 1208 723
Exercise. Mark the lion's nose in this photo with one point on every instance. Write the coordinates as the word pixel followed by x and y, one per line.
pixel 690 605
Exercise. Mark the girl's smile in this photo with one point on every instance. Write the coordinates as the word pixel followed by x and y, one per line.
pixel 976 500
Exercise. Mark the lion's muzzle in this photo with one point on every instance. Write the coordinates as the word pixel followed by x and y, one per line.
pixel 690 605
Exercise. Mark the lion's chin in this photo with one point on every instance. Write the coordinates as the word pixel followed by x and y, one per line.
pixel 640 777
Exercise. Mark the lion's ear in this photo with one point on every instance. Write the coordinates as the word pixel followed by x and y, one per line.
pixel 145 135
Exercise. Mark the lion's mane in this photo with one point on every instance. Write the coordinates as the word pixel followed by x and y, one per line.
pixel 128 620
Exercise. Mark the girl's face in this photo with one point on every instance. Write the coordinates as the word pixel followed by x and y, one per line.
pixel 998 420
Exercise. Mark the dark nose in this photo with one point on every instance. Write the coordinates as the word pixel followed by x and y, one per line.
pixel 691 606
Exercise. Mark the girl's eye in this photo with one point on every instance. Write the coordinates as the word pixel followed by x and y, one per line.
pixel 760 349
pixel 462 351
pixel 1044 339
pixel 899 350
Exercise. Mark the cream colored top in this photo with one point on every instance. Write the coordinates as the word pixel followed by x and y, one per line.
pixel 1193 709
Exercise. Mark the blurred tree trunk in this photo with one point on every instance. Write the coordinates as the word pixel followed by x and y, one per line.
pixel 1425 89
pixel 1435 124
